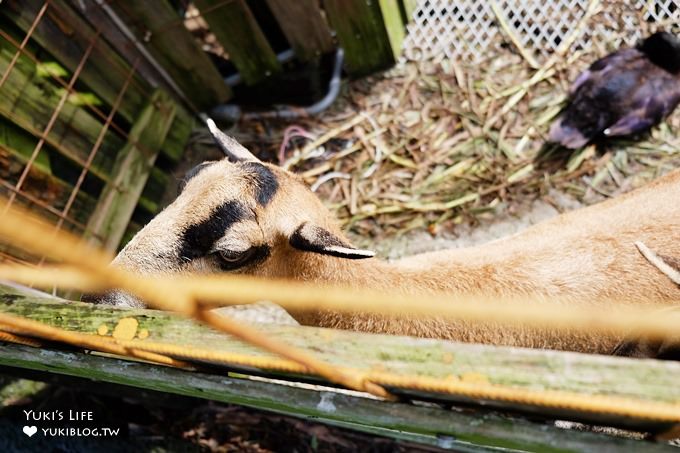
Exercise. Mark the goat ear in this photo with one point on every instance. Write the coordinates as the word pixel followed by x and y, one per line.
pixel 234 151
pixel 312 238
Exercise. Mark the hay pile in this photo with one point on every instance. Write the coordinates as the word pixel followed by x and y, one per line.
pixel 431 145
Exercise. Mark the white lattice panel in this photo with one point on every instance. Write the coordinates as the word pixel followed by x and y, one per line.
pixel 469 29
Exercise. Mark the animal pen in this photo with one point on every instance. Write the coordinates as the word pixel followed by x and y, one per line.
pixel 98 101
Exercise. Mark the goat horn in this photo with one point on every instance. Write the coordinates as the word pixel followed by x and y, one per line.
pixel 231 148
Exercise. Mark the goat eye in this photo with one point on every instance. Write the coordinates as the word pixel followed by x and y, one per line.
pixel 232 260
pixel 230 256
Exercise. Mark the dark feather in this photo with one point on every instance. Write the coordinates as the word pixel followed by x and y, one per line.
pixel 624 93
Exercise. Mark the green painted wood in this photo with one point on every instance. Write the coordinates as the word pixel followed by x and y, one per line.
pixel 28 99
pixel 646 380
pixel 135 160
pixel 179 133
pixel 17 141
pixel 459 431
pixel 160 27
pixel 304 26
pixel 155 188
pixel 235 28
pixel 409 7
pixel 152 197
pixel 361 31
pixel 394 24
pixel 64 34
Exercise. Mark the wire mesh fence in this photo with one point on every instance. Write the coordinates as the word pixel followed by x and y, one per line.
pixel 46 158
pixel 68 105
pixel 472 29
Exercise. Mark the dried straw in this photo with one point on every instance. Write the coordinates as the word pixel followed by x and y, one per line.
pixel 438 143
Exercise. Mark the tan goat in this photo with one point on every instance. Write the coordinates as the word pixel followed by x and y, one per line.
pixel 242 215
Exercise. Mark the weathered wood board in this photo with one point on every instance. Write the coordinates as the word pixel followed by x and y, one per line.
pixel 538 370
pixel 459 431
pixel 135 160
pixel 97 16
pixel 409 7
pixel 236 29
pixel 160 27
pixel 29 99
pixel 65 35
pixel 43 186
pixel 394 24
pixel 304 26
pixel 369 32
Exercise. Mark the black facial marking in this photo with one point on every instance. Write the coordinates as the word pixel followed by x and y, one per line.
pixel 320 241
pixel 191 173
pixel 197 240
pixel 648 348
pixel 266 181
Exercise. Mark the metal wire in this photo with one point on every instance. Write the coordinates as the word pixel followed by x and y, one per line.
pixel 97 145
pixel 51 122
pixel 93 152
pixel 24 42
pixel 16 190
pixel 6 257
pixel 97 112
pixel 40 203
pixel 91 107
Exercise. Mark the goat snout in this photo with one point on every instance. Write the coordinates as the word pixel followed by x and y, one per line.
pixel 114 298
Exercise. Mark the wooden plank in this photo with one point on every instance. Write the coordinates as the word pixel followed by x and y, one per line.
pixel 21 143
pixel 184 122
pixel 528 369
pixel 459 431
pixel 154 190
pixel 235 28
pixel 64 34
pixel 100 20
pixel 409 7
pixel 304 26
pixel 132 169
pixel 173 149
pixel 159 26
pixel 394 24
pixel 28 100
pixel 177 138
pixel 43 186
pixel 362 34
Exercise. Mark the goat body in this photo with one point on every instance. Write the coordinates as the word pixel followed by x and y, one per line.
pixel 587 256
pixel 257 219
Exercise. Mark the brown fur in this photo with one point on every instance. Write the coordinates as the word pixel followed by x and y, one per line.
pixel 585 256
pixel 671 261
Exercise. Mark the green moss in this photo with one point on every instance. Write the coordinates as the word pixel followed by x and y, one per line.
pixel 522 368
pixel 13 390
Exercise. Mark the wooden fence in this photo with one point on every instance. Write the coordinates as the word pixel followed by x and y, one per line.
pixel 98 98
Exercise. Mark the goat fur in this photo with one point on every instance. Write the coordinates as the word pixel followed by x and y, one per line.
pixel 586 257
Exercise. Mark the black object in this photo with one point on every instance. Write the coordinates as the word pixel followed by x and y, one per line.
pixel 624 93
